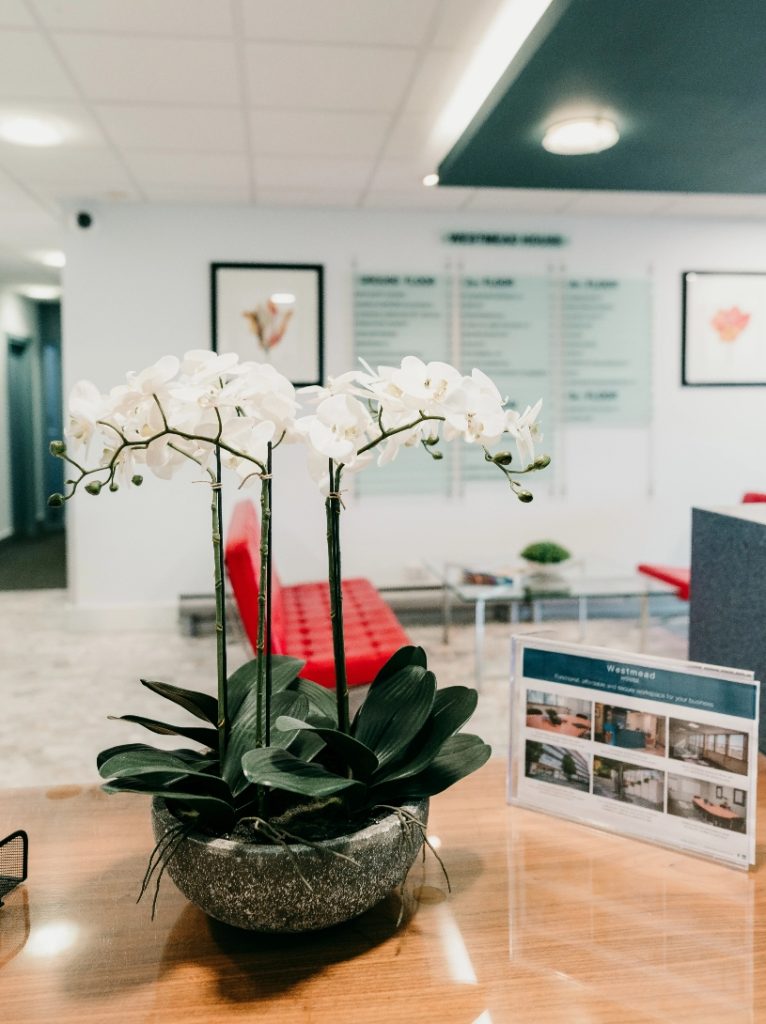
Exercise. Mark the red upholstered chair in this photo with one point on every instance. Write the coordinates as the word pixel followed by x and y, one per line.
pixel 300 614
pixel 681 578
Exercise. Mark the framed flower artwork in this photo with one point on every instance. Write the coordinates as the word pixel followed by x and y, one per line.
pixel 270 312
pixel 724 329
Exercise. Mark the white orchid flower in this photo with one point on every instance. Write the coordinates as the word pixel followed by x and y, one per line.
pixel 525 431
pixel 424 386
pixel 86 407
pixel 155 377
pixel 340 426
pixel 475 411
pixel 251 438
pixel 354 382
pixel 203 366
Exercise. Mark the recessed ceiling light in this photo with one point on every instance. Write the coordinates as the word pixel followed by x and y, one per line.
pixel 430 180
pixel 41 292
pixel 581 135
pixel 54 258
pixel 30 131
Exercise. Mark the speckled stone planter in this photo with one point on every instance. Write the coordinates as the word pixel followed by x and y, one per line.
pixel 259 887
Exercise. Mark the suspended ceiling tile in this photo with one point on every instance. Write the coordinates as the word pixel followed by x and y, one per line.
pixel 327 77
pixel 73 120
pixel 521 200
pixel 422 199
pixel 317 133
pixel 393 22
pixel 410 140
pixel 64 166
pixel 438 75
pixel 188 169
pixel 463 24
pixel 153 70
pixel 184 193
pixel 13 197
pixel 317 198
pixel 29 69
pixel 188 129
pixel 172 17
pixel 274 172
pixel 13 14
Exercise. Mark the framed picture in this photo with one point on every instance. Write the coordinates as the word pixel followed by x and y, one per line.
pixel 718 792
pixel 270 312
pixel 739 797
pixel 724 329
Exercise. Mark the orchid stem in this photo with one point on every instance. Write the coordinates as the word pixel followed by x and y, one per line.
pixel 333 509
pixel 220 611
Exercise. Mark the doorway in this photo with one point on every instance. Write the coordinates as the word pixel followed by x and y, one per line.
pixel 34 556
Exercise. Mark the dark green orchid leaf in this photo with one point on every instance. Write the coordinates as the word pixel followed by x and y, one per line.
pixel 281 770
pixel 459 756
pixel 359 758
pixel 119 749
pixel 243 732
pixel 206 737
pixel 181 753
pixel 201 705
pixel 395 711
pixel 139 762
pixel 403 658
pixel 204 804
pixel 452 708
pixel 243 682
pixel 307 745
pixel 320 698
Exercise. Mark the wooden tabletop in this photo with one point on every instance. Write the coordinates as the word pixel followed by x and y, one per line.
pixel 548 922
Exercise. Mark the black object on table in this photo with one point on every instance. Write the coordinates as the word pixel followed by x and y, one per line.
pixel 14 856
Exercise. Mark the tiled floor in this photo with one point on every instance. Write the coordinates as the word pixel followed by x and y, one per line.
pixel 58 687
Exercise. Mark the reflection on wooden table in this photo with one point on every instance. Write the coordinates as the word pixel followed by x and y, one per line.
pixel 547 922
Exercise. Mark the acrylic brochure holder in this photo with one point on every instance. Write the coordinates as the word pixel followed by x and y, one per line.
pixel 649 748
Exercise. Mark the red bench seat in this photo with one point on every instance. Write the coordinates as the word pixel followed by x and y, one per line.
pixel 679 578
pixel 300 614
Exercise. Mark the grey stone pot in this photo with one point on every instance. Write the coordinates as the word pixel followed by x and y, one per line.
pixel 259 887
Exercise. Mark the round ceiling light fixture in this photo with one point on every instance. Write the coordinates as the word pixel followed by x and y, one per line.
pixel 30 131
pixel 581 135
pixel 430 180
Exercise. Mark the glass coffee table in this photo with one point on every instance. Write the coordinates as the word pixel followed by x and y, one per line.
pixel 532 593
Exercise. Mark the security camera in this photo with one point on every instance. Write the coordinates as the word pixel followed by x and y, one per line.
pixel 83 220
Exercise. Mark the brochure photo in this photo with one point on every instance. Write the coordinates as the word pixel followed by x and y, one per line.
pixel 650 748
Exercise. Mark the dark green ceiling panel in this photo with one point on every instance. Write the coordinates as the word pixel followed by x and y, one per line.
pixel 685 80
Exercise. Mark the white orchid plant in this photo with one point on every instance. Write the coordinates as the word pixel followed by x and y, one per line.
pixel 278 756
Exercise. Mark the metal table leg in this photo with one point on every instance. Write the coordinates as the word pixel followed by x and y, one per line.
pixel 582 615
pixel 479 639
pixel 643 622
pixel 446 611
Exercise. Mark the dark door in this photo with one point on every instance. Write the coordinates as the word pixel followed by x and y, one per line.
pixel 21 421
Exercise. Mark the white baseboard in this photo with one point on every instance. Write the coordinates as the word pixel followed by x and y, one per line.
pixel 160 618
pixel 6 533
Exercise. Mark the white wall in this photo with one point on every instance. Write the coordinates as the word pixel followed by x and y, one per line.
pixel 136 287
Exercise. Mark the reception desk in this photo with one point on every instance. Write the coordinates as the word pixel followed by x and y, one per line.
pixel 547 922
pixel 728 593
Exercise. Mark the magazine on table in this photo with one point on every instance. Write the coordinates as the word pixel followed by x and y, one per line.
pixel 651 748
